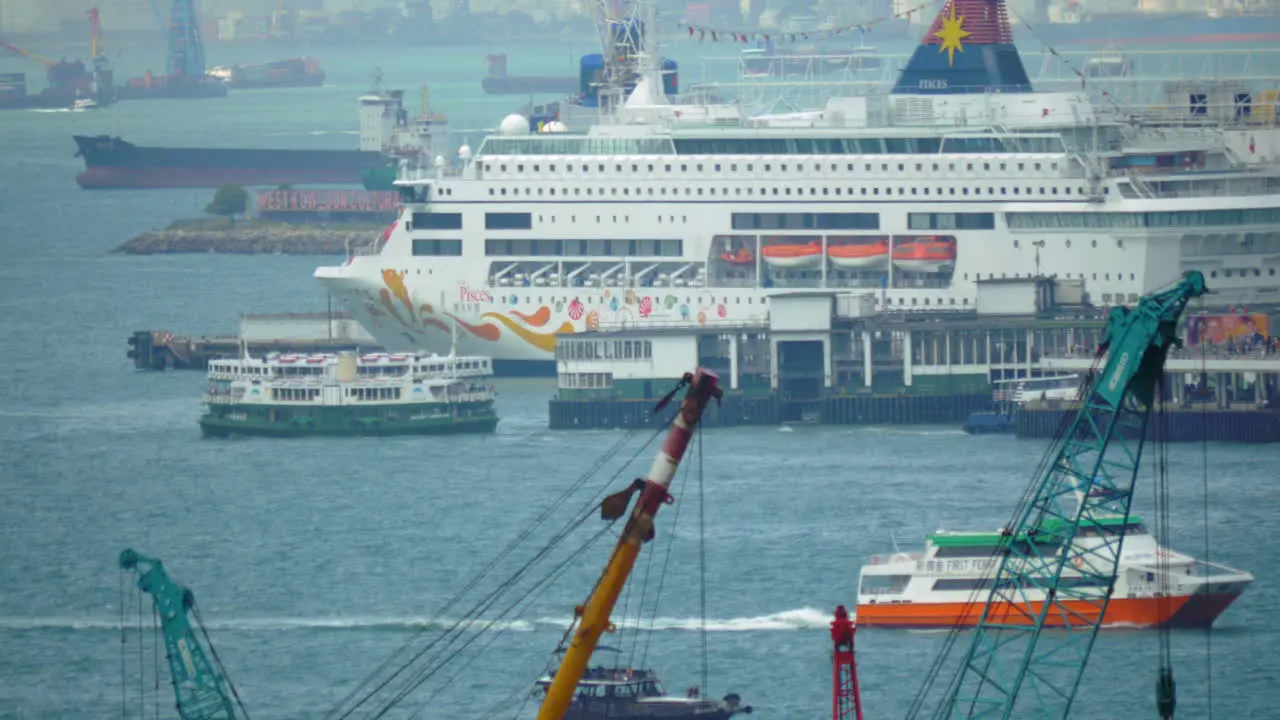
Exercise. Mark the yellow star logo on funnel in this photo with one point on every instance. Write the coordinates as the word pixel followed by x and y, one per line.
pixel 951 34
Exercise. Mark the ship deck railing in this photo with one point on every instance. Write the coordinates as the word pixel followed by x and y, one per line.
pixel 886 558
pixel 711 326
pixel 473 397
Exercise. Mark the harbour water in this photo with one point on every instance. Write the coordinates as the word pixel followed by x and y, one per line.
pixel 312 560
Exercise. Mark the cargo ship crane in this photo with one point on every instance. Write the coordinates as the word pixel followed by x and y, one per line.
pixel 200 686
pixel 186 49
pixel 593 618
pixel 1012 668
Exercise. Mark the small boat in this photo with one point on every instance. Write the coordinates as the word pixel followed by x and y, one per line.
pixel 860 255
pixel 925 254
pixel 793 256
pixel 936 588
pixel 82 104
pixel 619 693
pixel 741 256
pixel 342 394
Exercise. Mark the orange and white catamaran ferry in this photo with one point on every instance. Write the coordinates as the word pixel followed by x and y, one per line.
pixel 949 582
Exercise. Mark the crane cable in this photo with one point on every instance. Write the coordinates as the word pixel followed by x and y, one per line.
pixel 454 632
pixel 1165 692
pixel 529 595
pixel 1204 479
pixel 538 588
pixel 662 576
pixel 404 648
pixel 213 651
pixel 471 617
pixel 1083 393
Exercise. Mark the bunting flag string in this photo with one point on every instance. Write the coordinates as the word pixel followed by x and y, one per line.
pixel 1064 60
pixel 703 32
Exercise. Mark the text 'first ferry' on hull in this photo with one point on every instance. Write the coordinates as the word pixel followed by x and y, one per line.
pixel 665 213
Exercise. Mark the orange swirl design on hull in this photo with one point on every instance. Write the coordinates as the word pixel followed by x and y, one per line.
pixel 542 341
pixel 538 319
pixel 484 332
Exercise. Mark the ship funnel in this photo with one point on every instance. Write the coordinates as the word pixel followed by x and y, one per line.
pixel 347 366
pixel 968 49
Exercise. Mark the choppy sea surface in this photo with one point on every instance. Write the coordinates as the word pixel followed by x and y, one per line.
pixel 313 560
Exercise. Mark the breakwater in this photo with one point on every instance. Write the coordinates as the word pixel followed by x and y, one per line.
pixel 251 237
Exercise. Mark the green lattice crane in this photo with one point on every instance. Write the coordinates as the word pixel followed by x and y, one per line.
pixel 1013 669
pixel 200 685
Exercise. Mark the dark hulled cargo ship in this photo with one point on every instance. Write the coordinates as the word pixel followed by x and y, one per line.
pixel 111 162
pixel 295 72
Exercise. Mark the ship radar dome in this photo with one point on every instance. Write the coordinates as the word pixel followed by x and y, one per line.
pixel 514 125
pixel 464 152
pixel 555 126
pixel 439 161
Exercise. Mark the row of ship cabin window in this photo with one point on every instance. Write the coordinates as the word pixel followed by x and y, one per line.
pixel 374 393
pixel 604 350
pixel 783 167
pixel 586 381
pixel 799 191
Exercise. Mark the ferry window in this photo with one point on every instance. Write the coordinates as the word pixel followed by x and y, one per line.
pixel 668 167
pixel 536 167
pixel 750 167
pixel 491 191
pixel 1037 166
pixel 968 166
pixel 503 168
pixel 601 167
pixel 1021 166
pixel 617 168
pixel 635 168
pixel 452 247
pixel 437 221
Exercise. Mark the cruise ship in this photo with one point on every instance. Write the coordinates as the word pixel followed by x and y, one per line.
pixel 664 213
pixel 948 584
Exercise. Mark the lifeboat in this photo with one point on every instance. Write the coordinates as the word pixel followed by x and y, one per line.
pixel 860 255
pixel 793 256
pixel 926 254
pixel 741 256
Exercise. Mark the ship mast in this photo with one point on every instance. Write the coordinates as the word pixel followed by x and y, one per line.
pixel 703 386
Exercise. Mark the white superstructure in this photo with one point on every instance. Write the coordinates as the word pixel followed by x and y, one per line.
pixel 947 584
pixel 668 213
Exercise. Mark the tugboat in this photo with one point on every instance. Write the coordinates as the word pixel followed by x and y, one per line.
pixel 617 693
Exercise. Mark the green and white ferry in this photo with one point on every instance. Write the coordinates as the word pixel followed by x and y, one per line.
pixel 349 394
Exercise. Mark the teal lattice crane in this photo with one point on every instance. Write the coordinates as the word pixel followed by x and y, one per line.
pixel 1013 668
pixel 200 685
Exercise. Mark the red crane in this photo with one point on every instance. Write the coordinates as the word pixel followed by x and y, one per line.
pixel 846 699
